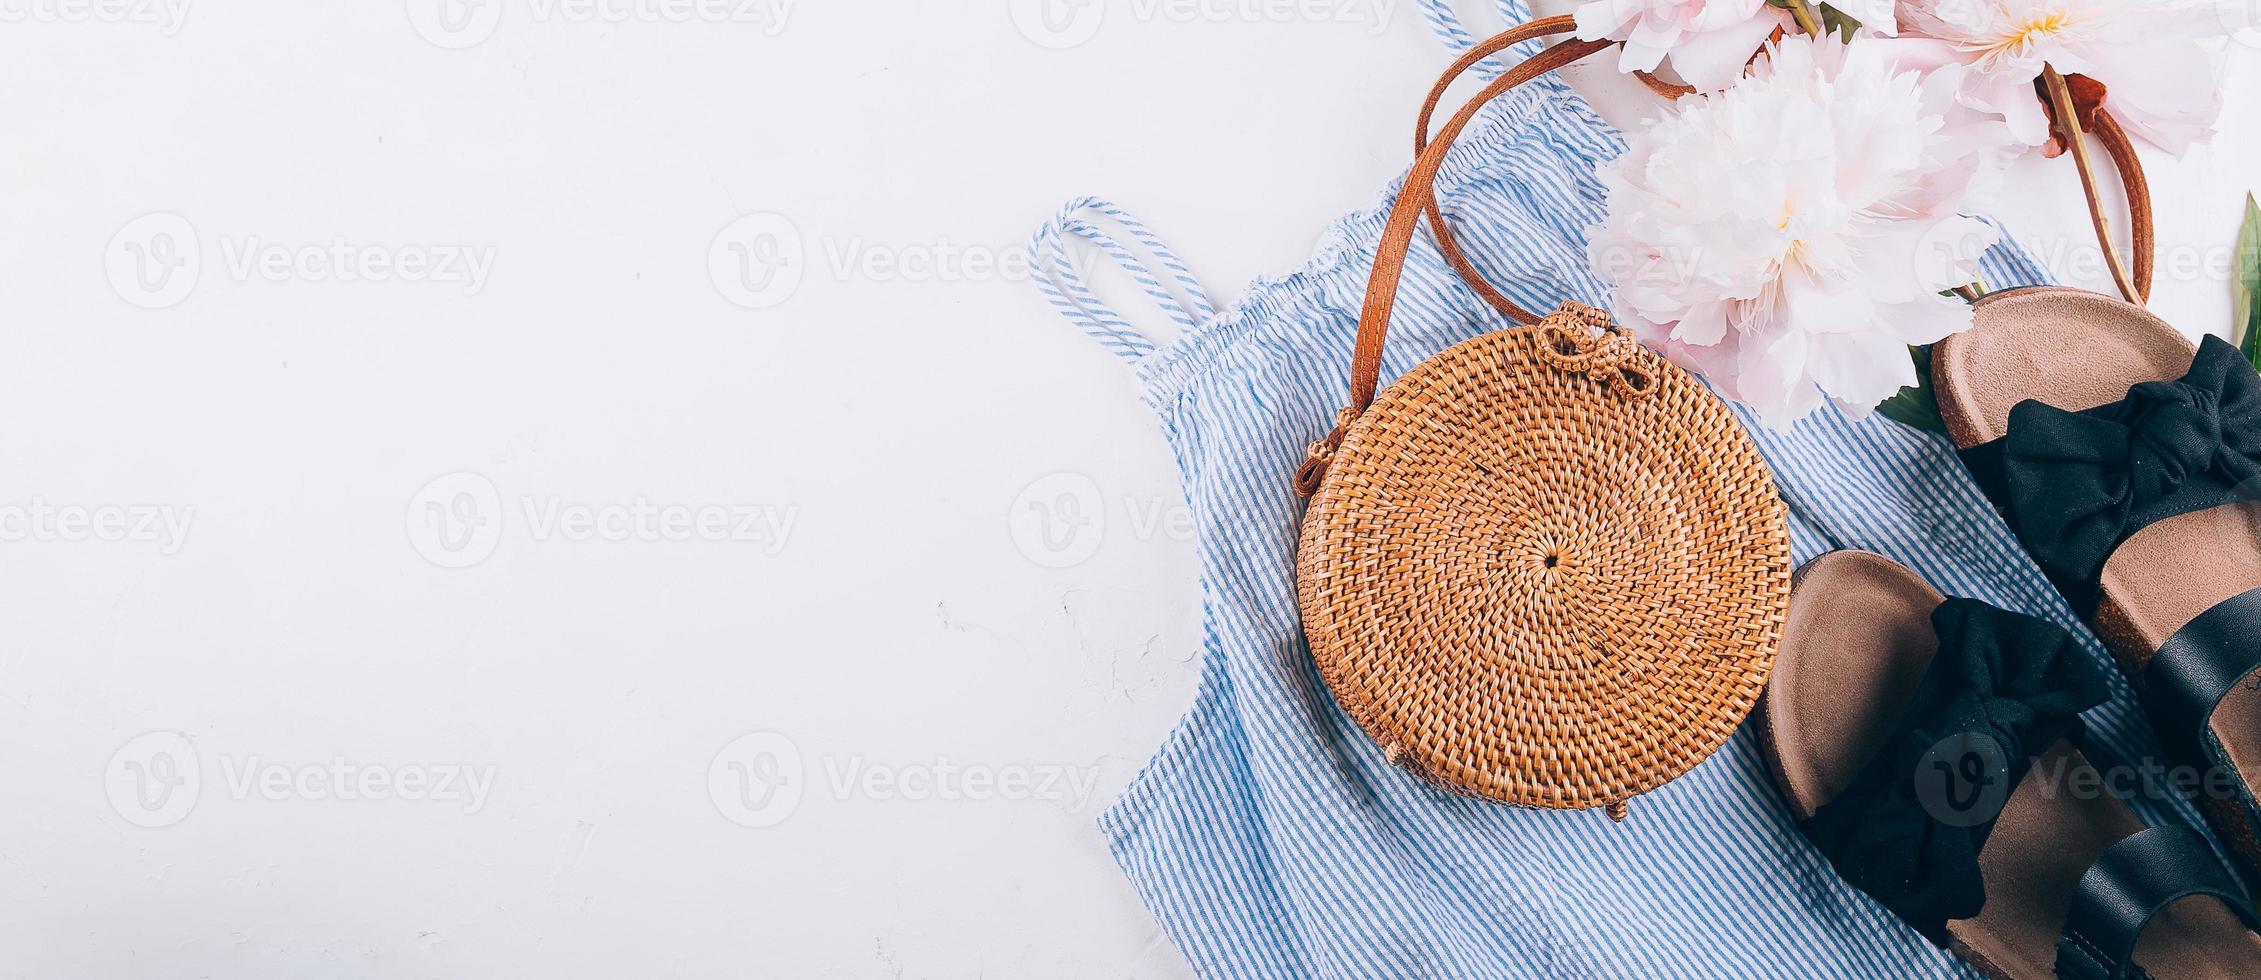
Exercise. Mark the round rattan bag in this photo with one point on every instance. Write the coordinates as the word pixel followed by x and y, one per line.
pixel 1544 567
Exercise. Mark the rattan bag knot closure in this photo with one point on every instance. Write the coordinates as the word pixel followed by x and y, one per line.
pixel 1612 356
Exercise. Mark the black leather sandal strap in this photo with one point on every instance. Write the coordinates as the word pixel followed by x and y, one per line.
pixel 2126 887
pixel 2199 666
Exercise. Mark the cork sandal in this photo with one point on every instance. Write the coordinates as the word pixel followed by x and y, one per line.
pixel 2127 462
pixel 1926 747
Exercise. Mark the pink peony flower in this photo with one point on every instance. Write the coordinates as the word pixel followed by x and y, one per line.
pixel 1789 238
pixel 1708 41
pixel 2160 79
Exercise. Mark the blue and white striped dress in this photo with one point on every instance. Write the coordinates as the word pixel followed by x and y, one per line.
pixel 1269 836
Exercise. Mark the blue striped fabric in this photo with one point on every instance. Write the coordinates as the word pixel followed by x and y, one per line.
pixel 1269 836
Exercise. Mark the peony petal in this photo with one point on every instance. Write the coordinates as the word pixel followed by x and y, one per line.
pixel 1771 379
pixel 1714 59
pixel 2162 90
pixel 1713 15
pixel 1859 369
pixel 1604 19
pixel 1716 365
pixel 1815 305
pixel 2010 95
pixel 1702 325
pixel 1879 17
pixel 1660 34
pixel 1922 54
pixel 1641 56
pixel 1928 320
pixel 1947 254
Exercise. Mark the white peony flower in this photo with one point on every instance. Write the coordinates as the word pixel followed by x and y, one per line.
pixel 2160 79
pixel 1789 238
pixel 1708 41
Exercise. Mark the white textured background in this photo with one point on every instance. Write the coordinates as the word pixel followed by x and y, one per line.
pixel 887 643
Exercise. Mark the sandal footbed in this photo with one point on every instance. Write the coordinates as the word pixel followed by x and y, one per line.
pixel 1856 644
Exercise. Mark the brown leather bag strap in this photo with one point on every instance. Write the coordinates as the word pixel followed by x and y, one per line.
pixel 1418 196
pixel 1561 24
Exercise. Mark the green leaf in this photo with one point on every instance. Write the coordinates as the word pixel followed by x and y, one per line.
pixel 1916 407
pixel 2245 284
pixel 1839 22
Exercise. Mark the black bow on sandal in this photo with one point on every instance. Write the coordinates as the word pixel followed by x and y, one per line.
pixel 1927 747
pixel 2129 465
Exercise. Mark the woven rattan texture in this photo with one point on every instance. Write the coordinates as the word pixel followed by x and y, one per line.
pixel 1530 586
